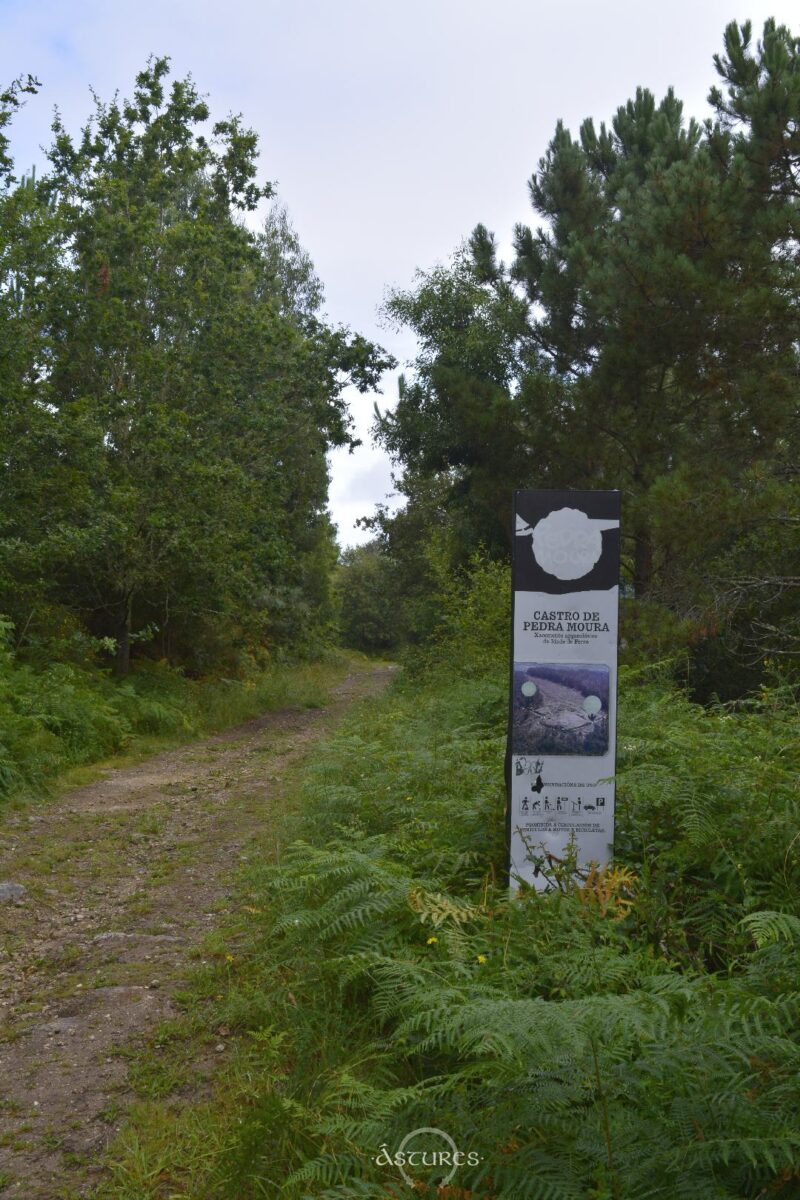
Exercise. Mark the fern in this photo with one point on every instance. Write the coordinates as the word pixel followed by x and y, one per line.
pixel 436 909
pixel 582 1046
pixel 769 927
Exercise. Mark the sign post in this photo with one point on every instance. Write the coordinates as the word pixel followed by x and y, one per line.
pixel 562 711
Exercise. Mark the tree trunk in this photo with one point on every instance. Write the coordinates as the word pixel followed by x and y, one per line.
pixel 122 658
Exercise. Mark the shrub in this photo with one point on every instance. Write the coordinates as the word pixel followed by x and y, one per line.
pixel 632 1037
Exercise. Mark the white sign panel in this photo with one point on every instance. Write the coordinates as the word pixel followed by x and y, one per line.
pixel 562 713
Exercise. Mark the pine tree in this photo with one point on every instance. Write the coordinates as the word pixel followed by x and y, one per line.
pixel 644 335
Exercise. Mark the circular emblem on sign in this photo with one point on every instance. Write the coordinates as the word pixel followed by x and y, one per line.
pixel 528 688
pixel 592 705
pixel 567 544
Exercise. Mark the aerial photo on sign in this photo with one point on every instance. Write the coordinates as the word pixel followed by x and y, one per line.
pixel 560 708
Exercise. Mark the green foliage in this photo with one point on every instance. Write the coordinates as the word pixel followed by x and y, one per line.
pixel 66 714
pixel 707 817
pixel 643 337
pixel 578 1053
pixel 630 1038
pixel 456 621
pixel 648 1055
pixel 370 608
pixel 474 616
pixel 169 392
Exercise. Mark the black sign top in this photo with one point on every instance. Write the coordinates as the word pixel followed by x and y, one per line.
pixel 566 541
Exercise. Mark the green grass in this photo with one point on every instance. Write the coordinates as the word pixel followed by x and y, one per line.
pixel 60 727
pixel 630 1040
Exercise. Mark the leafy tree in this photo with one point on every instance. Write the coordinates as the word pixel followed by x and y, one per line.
pixel 28 251
pixel 368 599
pixel 183 393
pixel 146 203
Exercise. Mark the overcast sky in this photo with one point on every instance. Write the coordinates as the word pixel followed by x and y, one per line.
pixel 391 129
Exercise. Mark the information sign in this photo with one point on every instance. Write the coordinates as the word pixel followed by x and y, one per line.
pixel 562 712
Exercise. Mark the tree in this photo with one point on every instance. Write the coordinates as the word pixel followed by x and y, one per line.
pixel 189 388
pixel 645 332
pixel 368 599
pixel 33 471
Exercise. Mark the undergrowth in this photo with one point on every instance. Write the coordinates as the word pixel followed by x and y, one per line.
pixel 632 1038
pixel 59 716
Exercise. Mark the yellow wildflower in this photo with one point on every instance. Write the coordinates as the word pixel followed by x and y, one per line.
pixel 431 941
pixel 482 959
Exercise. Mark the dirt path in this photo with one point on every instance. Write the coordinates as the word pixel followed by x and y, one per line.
pixel 123 880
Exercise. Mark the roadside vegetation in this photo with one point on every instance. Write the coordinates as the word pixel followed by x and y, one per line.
pixel 169 388
pixel 641 335
pixel 66 715
pixel 634 1035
